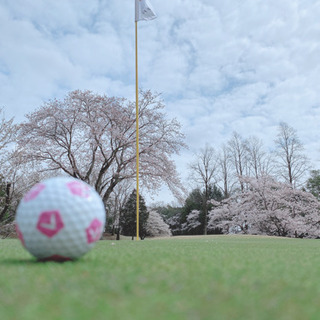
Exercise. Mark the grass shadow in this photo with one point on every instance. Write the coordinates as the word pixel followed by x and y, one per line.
pixel 13 262
pixel 31 261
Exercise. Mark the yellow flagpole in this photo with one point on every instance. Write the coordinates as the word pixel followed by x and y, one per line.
pixel 137 131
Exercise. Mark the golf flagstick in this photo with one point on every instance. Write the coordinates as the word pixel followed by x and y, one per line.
pixel 143 11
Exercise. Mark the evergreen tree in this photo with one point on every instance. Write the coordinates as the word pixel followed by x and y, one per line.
pixel 196 201
pixel 313 183
pixel 129 217
pixel 5 199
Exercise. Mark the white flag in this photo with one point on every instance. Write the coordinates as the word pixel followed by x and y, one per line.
pixel 144 10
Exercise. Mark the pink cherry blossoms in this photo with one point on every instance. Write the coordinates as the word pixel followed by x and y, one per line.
pixel 268 207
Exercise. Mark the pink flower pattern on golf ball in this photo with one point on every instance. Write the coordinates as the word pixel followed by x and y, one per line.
pixel 50 223
pixel 79 189
pixel 34 192
pixel 94 231
pixel 20 235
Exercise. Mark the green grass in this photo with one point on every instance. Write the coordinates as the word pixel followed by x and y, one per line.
pixel 214 277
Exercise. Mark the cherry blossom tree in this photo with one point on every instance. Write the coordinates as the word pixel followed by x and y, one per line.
pixel 269 207
pixel 92 137
pixel 20 177
pixel 192 222
pixel 226 216
pixel 174 223
pixel 156 227
pixel 8 133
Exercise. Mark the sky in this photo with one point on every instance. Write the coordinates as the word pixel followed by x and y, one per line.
pixel 220 65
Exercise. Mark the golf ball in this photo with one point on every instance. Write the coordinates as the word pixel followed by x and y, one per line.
pixel 60 219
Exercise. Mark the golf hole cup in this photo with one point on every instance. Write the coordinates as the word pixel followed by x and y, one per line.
pixel 60 219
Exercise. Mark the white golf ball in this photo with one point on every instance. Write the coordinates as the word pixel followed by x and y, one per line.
pixel 60 219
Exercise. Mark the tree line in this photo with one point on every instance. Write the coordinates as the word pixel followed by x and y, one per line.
pixel 242 188
pixel 92 137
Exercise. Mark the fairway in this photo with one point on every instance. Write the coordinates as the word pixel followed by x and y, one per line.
pixel 213 277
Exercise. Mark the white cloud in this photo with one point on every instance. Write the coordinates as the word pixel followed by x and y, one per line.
pixel 222 65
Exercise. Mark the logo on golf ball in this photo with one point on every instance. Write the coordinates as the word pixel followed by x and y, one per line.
pixel 79 189
pixel 94 231
pixel 50 223
pixel 34 192
pixel 20 235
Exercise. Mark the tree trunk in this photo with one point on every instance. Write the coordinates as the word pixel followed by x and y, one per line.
pixel 205 211
pixel 7 201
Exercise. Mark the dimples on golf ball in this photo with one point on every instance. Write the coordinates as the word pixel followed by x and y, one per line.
pixel 60 219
